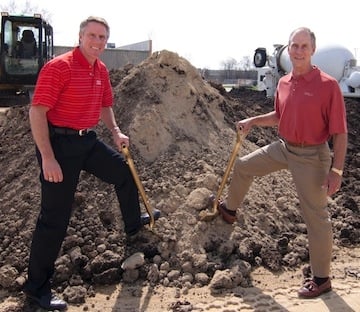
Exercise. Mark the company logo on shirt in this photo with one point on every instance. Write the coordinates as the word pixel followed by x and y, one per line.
pixel 98 82
pixel 308 94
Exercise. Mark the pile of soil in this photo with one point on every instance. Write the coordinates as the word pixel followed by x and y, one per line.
pixel 181 131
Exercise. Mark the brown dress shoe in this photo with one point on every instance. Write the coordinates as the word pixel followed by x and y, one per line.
pixel 228 215
pixel 311 290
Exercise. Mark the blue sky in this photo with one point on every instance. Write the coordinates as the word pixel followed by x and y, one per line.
pixel 207 32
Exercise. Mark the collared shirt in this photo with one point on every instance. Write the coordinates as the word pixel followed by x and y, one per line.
pixel 310 108
pixel 74 90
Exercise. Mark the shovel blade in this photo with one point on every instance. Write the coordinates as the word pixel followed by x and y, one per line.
pixel 207 215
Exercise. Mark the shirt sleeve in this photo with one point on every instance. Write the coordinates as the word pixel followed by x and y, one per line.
pixel 50 84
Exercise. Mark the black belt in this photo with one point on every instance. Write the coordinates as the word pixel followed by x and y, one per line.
pixel 69 131
pixel 296 144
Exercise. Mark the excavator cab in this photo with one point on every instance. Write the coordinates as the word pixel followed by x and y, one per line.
pixel 26 45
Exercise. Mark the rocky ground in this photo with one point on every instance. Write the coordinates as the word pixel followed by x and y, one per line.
pixel 181 130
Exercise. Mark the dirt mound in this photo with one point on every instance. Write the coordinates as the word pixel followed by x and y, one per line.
pixel 165 102
pixel 181 131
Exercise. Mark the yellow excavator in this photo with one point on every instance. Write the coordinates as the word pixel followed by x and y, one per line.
pixel 26 44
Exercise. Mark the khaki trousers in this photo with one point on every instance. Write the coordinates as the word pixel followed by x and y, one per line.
pixel 309 167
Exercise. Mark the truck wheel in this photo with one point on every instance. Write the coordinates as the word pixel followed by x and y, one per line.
pixel 260 57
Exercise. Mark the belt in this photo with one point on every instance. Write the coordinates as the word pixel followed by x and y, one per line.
pixel 69 131
pixel 295 144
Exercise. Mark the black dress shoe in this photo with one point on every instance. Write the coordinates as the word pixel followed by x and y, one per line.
pixel 144 220
pixel 48 302
pixel 145 217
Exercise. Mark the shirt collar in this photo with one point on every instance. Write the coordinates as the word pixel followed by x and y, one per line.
pixel 82 60
pixel 307 77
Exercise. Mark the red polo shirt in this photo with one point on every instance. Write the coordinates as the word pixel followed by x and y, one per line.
pixel 310 108
pixel 74 90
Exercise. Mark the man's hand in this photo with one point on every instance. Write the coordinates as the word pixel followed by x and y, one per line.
pixel 120 139
pixel 244 125
pixel 332 183
pixel 52 170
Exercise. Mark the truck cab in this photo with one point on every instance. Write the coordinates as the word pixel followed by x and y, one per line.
pixel 26 44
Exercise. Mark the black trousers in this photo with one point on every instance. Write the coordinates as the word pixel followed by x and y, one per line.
pixel 74 154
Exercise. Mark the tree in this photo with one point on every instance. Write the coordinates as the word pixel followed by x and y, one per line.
pixel 27 9
pixel 245 63
pixel 229 64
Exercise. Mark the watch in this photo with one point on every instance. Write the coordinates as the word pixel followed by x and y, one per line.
pixel 338 171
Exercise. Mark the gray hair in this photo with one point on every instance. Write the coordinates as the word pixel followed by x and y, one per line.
pixel 95 19
pixel 305 29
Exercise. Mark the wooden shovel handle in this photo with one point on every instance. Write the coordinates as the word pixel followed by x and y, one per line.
pixel 130 162
pixel 233 155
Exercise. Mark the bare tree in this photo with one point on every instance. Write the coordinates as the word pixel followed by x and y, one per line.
pixel 246 63
pixel 229 64
pixel 13 8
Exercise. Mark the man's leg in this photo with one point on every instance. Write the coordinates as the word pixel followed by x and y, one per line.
pixel 261 162
pixel 111 167
pixel 309 168
pixel 51 226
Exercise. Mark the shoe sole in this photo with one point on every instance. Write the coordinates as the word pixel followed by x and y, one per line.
pixel 302 296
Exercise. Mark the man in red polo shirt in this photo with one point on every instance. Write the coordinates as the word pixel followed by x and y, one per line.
pixel 309 110
pixel 72 94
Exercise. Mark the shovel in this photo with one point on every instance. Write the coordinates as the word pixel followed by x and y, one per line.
pixel 208 216
pixel 139 185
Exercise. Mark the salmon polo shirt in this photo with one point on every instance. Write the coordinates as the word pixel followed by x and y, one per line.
pixel 74 90
pixel 310 108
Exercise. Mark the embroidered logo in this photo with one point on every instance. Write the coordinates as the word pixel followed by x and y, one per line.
pixel 98 82
pixel 308 94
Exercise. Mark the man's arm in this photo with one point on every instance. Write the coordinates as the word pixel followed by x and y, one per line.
pixel 340 147
pixel 108 117
pixel 264 120
pixel 40 132
pixel 334 179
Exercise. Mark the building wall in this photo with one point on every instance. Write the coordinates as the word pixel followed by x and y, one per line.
pixel 231 77
pixel 114 58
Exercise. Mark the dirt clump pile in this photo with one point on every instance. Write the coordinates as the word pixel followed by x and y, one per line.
pixel 181 131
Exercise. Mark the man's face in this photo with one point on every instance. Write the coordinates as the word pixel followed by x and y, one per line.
pixel 301 49
pixel 93 40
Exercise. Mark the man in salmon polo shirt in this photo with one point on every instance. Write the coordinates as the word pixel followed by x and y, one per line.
pixel 309 110
pixel 72 94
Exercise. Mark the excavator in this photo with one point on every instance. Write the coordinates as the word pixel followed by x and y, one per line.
pixel 26 44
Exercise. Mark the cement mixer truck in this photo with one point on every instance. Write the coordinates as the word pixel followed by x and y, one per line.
pixel 335 60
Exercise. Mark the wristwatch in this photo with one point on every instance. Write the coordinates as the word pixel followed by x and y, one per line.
pixel 338 171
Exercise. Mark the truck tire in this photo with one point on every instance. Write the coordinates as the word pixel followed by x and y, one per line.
pixel 260 57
